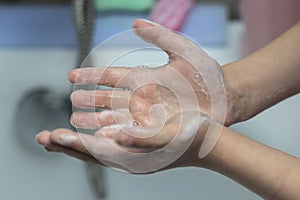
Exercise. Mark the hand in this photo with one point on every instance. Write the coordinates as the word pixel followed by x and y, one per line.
pixel 158 123
pixel 152 115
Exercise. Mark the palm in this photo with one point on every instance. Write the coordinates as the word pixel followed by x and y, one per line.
pixel 144 98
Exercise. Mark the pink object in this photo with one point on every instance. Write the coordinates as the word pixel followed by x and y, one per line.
pixel 171 13
pixel 267 19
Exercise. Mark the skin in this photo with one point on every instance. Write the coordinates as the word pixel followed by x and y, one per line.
pixel 272 75
pixel 267 76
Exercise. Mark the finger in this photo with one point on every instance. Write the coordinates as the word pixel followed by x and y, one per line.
pixel 110 99
pixel 123 136
pixel 43 138
pixel 108 76
pixel 132 135
pixel 72 153
pixel 94 120
pixel 83 143
pixel 162 37
pixel 183 128
pixel 104 150
pixel 158 141
pixel 68 139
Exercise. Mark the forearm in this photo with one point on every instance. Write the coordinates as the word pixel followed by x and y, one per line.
pixel 264 170
pixel 266 77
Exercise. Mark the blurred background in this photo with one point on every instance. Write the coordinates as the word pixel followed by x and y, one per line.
pixel 42 40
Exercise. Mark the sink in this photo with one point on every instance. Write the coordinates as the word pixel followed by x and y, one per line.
pixel 30 173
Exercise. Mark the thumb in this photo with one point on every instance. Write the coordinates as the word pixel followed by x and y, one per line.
pixel 144 23
pixel 160 36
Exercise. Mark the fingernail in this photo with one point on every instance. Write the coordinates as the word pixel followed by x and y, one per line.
pixel 151 22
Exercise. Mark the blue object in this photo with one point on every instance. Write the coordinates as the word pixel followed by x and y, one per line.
pixel 36 26
pixel 111 23
pixel 206 24
pixel 52 26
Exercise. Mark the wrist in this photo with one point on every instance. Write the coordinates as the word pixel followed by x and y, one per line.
pixel 238 95
pixel 214 158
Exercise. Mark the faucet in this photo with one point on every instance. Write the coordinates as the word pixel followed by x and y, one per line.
pixel 45 108
pixel 84 19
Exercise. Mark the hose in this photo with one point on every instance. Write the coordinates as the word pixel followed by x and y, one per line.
pixel 84 20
